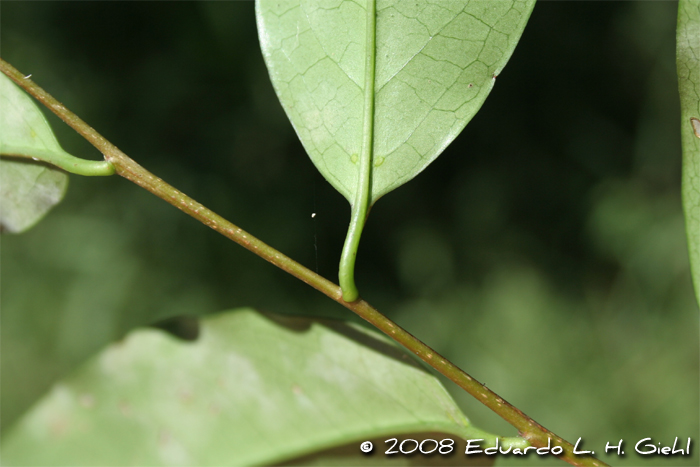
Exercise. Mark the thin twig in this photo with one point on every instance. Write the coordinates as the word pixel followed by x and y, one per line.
pixel 533 432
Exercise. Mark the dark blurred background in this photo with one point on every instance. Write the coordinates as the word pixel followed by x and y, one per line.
pixel 543 252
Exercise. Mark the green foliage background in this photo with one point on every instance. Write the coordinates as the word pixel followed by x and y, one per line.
pixel 543 252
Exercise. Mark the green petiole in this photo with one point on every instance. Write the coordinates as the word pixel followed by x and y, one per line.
pixel 360 206
pixel 62 160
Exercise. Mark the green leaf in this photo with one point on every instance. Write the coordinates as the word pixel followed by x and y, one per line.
pixel 24 131
pixel 688 66
pixel 28 190
pixel 251 390
pixel 375 98
pixel 435 64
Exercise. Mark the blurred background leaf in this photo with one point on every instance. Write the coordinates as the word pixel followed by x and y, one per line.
pixel 252 390
pixel 544 252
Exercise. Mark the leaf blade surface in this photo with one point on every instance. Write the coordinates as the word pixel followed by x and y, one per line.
pixel 435 64
pixel 251 390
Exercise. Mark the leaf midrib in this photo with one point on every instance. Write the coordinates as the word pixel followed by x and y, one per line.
pixel 360 205
pixel 363 182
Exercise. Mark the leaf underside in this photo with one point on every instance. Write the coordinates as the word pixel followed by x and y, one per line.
pixel 251 390
pixel 688 67
pixel 28 190
pixel 436 62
